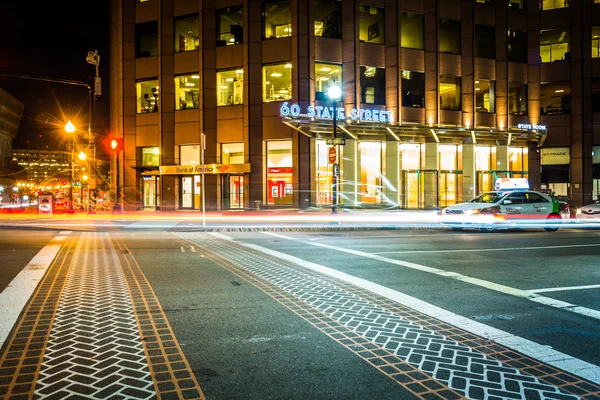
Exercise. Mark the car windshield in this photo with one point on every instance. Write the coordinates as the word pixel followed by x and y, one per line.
pixel 489 197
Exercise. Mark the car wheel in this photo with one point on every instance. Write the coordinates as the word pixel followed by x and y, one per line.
pixel 489 228
pixel 553 219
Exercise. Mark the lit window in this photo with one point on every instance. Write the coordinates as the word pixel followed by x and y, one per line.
pixel 279 172
pixel 328 18
pixel 147 96
pixel 517 4
pixel 189 154
pixel 413 89
pixel 595 41
pixel 517 98
pixel 150 156
pixel 371 24
pixel 518 159
pixel 277 19
pixel 485 41
pixel 231 26
pixel 146 39
pixel 485 96
pixel 555 98
pixel 554 45
pixel 277 82
pixel 232 153
pixel 370 185
pixel 411 30
pixel 449 36
pixel 552 4
pixel 325 76
pixel 186 33
pixel 230 87
pixel 485 1
pixel 372 85
pixel 517 46
pixel 186 91
pixel 450 98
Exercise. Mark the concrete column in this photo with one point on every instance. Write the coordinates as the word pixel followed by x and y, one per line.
pixel 349 175
pixel 534 169
pixel 430 188
pixel 469 182
pixel 392 171
pixel 501 158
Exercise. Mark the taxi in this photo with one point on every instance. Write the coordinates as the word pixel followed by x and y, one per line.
pixel 511 205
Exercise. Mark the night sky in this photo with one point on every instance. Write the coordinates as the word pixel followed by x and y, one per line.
pixel 52 39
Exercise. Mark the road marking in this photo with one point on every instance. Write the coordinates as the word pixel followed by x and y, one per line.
pixel 182 249
pixel 192 249
pixel 560 289
pixel 588 312
pixel 540 352
pixel 14 297
pixel 478 250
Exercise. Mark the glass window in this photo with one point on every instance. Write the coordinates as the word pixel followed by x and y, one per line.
pixel 277 19
pixel 187 91
pixel 411 30
pixel 186 33
pixel 450 36
pixel 485 1
pixel 230 29
pixel 595 41
pixel 517 4
pixel 150 156
pixel 146 39
pixel 371 24
pixel 412 155
pixel 517 46
pixel 555 98
pixel 189 155
pixel 230 87
pixel 413 89
pixel 450 98
pixel 370 172
pixel 232 153
pixel 518 158
pixel 517 98
pixel 554 45
pixel 372 85
pixel 328 18
pixel 485 96
pixel 146 96
pixel 279 172
pixel 325 76
pixel 277 82
pixel 552 4
pixel 485 158
pixel 485 41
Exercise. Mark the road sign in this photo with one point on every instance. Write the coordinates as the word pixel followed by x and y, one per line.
pixel 336 142
pixel 332 155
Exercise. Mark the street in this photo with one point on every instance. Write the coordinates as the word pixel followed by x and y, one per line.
pixel 291 314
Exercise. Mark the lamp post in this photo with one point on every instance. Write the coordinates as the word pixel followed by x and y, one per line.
pixel 70 128
pixel 334 92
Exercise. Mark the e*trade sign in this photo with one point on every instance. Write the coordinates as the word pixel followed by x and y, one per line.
pixel 356 114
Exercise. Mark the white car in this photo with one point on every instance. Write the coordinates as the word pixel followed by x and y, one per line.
pixel 589 213
pixel 507 208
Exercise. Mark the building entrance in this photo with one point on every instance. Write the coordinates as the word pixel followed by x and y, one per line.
pixel 233 192
pixel 449 188
pixel 150 191
pixel 419 189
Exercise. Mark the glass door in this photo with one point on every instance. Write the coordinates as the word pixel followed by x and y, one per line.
pixel 187 192
pixel 411 190
pixel 448 188
pixel 236 191
pixel 149 191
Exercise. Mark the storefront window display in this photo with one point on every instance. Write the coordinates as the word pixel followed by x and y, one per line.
pixel 277 82
pixel 230 87
pixel 279 172
pixel 518 159
pixel 370 172
pixel 485 164
pixel 186 92
pixel 323 174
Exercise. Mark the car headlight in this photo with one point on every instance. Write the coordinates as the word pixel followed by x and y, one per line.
pixel 578 211
pixel 472 211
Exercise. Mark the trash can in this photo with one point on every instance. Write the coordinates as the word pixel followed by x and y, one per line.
pixel 258 203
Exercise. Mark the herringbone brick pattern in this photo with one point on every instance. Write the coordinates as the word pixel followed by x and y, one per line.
pixel 458 366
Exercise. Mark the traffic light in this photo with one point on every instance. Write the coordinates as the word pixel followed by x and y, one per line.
pixel 116 144
pixel 64 183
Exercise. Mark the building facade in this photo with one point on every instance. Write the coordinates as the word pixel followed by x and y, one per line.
pixel 11 112
pixel 44 167
pixel 439 98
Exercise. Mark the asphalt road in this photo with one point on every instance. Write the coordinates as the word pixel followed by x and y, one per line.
pixel 235 300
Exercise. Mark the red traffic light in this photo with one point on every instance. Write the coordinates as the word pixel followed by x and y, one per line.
pixel 116 144
pixel 64 183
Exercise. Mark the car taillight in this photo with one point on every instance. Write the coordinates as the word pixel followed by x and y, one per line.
pixel 491 210
pixel 563 207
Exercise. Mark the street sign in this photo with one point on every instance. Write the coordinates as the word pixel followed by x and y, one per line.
pixel 332 155
pixel 336 142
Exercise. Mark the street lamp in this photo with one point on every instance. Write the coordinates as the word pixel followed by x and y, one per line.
pixel 334 92
pixel 70 128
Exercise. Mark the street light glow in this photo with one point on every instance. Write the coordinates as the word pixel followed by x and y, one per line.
pixel 334 92
pixel 69 127
pixel 82 156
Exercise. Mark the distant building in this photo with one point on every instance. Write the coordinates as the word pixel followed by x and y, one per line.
pixel 11 112
pixel 439 98
pixel 43 166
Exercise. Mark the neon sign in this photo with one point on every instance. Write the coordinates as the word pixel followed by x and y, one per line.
pixel 529 126
pixel 320 112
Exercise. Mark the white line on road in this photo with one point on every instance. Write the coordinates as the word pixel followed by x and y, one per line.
pixel 540 352
pixel 565 288
pixel 483 250
pixel 464 278
pixel 14 297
